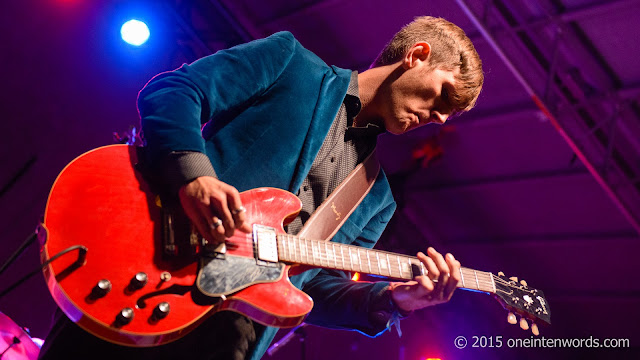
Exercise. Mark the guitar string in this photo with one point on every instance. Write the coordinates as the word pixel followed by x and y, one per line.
pixel 484 280
pixel 322 255
pixel 325 257
pixel 332 256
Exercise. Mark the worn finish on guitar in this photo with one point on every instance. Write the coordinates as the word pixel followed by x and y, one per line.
pixel 100 201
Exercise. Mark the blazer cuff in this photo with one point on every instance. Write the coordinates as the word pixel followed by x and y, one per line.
pixel 182 167
pixel 384 313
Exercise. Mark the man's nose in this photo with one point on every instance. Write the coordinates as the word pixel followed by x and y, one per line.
pixel 438 118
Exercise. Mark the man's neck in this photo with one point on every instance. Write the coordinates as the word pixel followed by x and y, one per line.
pixel 370 88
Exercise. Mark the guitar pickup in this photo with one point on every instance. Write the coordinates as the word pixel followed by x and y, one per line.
pixel 266 243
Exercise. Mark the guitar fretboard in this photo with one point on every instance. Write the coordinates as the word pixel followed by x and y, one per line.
pixel 330 255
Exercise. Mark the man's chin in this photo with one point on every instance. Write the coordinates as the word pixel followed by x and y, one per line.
pixel 399 127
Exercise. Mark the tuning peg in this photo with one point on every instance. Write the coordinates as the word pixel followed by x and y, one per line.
pixel 511 318
pixel 514 278
pixel 500 273
pixel 534 329
pixel 524 283
pixel 523 324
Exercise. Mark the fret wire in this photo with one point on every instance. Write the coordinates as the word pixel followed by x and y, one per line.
pixel 335 260
pixel 281 242
pixel 284 239
pixel 477 283
pixel 487 282
pixel 284 248
pixel 378 258
pixel 367 253
pixel 389 265
pixel 326 251
pixel 351 260
pixel 292 250
pixel 342 256
pixel 359 259
pixel 281 245
pixel 319 249
pixel 313 252
pixel 409 265
pixel 333 254
pixel 356 258
pixel 278 243
pixel 399 266
pixel 293 254
pixel 323 252
pixel 295 249
pixel 481 278
pixel 364 259
pixel 470 273
pixel 493 283
pixel 462 278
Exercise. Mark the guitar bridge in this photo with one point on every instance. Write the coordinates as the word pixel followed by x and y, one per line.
pixel 265 244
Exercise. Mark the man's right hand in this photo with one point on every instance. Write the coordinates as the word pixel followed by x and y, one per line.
pixel 214 207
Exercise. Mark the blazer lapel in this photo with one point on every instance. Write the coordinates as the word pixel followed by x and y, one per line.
pixel 332 92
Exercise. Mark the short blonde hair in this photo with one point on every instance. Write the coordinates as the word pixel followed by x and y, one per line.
pixel 450 49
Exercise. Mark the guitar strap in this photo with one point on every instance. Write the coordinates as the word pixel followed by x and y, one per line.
pixel 334 211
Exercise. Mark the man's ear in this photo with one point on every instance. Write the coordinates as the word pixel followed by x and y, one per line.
pixel 417 53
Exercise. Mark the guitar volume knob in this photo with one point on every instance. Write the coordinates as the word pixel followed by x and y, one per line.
pixel 138 281
pixel 102 288
pixel 125 316
pixel 162 310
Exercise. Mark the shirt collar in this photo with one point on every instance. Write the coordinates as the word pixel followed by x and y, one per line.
pixel 352 99
pixel 353 106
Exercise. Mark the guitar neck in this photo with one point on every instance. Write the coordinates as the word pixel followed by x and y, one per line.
pixel 330 255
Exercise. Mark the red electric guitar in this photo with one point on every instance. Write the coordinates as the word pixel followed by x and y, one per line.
pixel 135 273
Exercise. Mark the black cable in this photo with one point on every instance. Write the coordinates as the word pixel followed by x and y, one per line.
pixel 21 249
pixel 82 254
pixel 16 340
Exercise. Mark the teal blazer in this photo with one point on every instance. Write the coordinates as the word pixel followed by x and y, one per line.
pixel 267 106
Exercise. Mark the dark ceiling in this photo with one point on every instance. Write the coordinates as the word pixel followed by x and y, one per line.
pixel 541 180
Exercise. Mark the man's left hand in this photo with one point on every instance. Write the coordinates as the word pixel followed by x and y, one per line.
pixel 423 291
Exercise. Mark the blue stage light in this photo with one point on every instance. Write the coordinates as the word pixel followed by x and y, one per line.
pixel 134 32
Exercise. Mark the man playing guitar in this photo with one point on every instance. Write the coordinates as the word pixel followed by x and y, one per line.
pixel 275 115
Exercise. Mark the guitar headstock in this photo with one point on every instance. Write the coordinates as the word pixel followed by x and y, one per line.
pixel 519 298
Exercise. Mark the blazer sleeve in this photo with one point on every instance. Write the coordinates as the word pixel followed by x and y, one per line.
pixel 341 303
pixel 174 105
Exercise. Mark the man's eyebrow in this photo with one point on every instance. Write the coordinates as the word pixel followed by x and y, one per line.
pixel 454 99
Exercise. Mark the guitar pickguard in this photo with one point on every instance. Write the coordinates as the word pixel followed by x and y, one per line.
pixel 227 275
